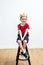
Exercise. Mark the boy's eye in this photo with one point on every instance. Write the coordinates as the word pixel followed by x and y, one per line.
pixel 24 19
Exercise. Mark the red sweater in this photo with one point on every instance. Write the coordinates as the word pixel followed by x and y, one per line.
pixel 23 28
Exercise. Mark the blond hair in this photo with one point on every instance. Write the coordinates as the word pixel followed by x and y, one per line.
pixel 23 14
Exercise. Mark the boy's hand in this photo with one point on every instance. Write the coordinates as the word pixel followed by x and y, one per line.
pixel 22 39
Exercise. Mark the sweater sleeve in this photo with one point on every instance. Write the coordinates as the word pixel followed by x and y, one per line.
pixel 19 27
pixel 28 26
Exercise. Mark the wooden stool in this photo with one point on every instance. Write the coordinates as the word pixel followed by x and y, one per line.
pixel 18 53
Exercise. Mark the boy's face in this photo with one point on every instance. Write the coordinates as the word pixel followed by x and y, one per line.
pixel 23 19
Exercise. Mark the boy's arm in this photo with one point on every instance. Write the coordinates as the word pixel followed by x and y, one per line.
pixel 27 30
pixel 19 31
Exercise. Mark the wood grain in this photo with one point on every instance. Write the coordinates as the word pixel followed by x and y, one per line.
pixel 8 57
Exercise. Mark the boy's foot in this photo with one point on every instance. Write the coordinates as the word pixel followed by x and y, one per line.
pixel 24 54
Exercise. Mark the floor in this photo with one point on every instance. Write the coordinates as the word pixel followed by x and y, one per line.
pixel 8 57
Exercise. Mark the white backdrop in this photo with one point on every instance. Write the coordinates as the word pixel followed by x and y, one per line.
pixel 9 18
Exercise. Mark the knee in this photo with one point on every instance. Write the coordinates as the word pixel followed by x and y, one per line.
pixel 25 41
pixel 19 42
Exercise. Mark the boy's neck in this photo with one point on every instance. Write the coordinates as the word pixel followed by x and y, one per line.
pixel 23 23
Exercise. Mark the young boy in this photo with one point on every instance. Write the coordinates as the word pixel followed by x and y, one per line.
pixel 23 34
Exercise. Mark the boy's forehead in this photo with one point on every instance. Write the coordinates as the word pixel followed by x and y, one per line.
pixel 24 16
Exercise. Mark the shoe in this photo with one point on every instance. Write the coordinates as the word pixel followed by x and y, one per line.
pixel 21 53
pixel 25 54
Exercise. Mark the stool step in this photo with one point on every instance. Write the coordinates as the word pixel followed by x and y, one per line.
pixel 21 57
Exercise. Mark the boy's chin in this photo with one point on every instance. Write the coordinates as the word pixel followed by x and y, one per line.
pixel 24 21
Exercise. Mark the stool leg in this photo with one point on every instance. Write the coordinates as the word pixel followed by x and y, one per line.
pixel 17 57
pixel 28 56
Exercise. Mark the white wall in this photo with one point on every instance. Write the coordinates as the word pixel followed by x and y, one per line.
pixel 9 18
